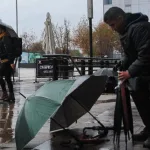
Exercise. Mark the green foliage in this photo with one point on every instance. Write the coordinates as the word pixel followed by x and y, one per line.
pixel 75 53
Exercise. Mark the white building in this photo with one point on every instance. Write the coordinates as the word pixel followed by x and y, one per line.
pixel 133 6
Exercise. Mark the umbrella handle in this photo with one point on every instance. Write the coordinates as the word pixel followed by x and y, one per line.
pixel 66 130
pixel 23 95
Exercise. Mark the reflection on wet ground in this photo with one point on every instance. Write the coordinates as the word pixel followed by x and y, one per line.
pixel 6 115
pixel 10 111
pixel 43 141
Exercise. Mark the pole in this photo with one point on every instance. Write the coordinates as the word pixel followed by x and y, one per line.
pixel 90 37
pixel 17 59
pixel 90 16
pixel 91 46
pixel 103 10
pixel 17 16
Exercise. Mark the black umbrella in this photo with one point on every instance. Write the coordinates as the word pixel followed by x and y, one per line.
pixel 123 113
pixel 9 29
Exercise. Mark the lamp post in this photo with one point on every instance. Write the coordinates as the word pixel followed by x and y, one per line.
pixel 17 59
pixel 17 16
pixel 90 17
pixel 103 9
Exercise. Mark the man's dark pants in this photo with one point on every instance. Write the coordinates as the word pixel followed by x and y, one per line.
pixel 141 98
pixel 6 71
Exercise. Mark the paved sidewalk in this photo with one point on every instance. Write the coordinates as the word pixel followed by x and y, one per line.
pixel 104 113
pixel 103 110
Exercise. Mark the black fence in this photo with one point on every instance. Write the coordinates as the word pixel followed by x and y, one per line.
pixel 65 66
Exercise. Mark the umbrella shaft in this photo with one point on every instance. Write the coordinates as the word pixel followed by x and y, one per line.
pixel 66 130
pixel 22 95
pixel 90 113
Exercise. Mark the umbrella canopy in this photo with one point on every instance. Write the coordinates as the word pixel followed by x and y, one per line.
pixel 64 101
pixel 9 29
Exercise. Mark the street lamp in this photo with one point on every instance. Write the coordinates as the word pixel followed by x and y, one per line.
pixel 90 17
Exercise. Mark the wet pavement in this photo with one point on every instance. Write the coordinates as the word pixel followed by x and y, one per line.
pixel 10 111
pixel 103 110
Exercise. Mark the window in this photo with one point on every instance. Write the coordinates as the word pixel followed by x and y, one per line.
pixel 107 2
pixel 128 5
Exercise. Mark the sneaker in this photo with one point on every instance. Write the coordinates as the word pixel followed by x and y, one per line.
pixel 4 96
pixel 142 136
pixel 147 143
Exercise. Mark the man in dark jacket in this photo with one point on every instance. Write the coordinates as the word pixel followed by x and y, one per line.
pixel 134 31
pixel 6 64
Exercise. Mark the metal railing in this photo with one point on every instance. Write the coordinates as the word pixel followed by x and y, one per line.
pixel 65 66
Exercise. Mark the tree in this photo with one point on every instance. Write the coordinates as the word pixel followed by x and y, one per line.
pixel 27 40
pixel 62 37
pixel 81 35
pixel 104 39
pixel 75 53
pixel 66 37
pixel 37 47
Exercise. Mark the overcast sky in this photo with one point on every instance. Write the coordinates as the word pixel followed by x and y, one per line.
pixel 32 13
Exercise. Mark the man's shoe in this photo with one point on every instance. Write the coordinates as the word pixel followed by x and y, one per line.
pixel 4 96
pixel 142 136
pixel 11 97
pixel 147 143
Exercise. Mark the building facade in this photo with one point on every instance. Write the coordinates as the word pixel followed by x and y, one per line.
pixel 133 6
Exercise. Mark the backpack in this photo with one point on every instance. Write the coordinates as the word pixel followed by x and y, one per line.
pixel 16 46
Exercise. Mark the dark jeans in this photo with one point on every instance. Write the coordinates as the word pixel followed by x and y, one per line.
pixel 6 71
pixel 141 97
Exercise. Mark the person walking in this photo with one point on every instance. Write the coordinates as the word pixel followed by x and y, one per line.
pixel 6 65
pixel 134 31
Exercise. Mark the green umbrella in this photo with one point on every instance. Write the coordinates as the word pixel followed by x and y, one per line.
pixel 64 101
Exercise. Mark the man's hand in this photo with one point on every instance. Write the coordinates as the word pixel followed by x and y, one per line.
pixel 12 66
pixel 123 75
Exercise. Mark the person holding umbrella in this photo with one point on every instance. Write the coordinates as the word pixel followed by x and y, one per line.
pixel 6 64
pixel 134 31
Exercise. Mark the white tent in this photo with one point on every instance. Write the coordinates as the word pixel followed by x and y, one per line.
pixel 48 43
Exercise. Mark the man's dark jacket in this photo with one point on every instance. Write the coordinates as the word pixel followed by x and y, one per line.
pixel 136 45
pixel 6 51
